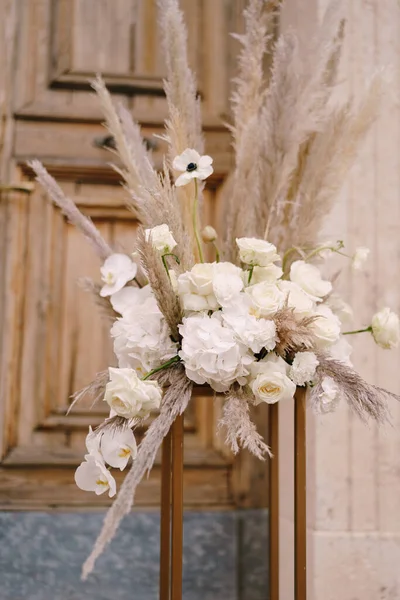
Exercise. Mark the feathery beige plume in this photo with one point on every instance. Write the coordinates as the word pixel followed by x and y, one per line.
pixel 70 210
pixel 239 427
pixel 95 390
pixel 293 333
pixel 104 304
pixel 175 401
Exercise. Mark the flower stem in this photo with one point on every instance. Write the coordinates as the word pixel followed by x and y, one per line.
pixel 357 331
pixel 194 217
pixel 165 365
pixel 217 256
pixel 250 274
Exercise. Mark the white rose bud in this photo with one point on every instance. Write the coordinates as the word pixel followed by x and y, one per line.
pixel 309 278
pixel 128 396
pixel 385 328
pixel 161 238
pixel 209 234
pixel 360 256
pixel 270 382
pixel 253 251
pixel 303 368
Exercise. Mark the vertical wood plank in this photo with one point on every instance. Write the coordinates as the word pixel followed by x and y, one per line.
pixel 165 525
pixel 177 509
pixel 274 502
pixel 300 515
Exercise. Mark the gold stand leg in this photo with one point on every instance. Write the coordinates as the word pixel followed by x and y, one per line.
pixel 274 502
pixel 165 526
pixel 300 514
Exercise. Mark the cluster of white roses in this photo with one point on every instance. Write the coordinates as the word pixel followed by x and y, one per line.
pixel 227 335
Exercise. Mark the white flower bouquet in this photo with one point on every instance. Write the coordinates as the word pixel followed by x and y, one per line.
pixel 257 318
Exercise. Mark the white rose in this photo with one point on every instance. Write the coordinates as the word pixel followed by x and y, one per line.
pixel 116 271
pixel 301 302
pixel 270 274
pixel 93 476
pixel 341 350
pixel 227 282
pixel 326 327
pixel 142 338
pixel 129 297
pixel 360 257
pixel 130 396
pixel 267 298
pixel 253 251
pixel 385 328
pixel 329 396
pixel 303 368
pixel 269 381
pixel 118 446
pixel 211 353
pixel 340 308
pixel 161 238
pixel 309 278
pixel 195 288
pixel 255 333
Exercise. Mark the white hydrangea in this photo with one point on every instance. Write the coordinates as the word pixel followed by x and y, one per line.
pixel 142 338
pixel 329 396
pixel 255 333
pixel 303 368
pixel 211 353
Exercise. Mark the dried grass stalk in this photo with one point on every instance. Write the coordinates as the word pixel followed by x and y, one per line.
pixel 175 401
pixel 70 210
pixel 104 304
pixel 160 284
pixel 293 334
pixel 365 400
pixel 95 390
pixel 240 430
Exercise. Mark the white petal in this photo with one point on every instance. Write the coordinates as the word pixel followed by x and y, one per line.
pixel 204 172
pixel 128 297
pixel 185 178
pixel 188 156
pixel 117 447
pixel 205 161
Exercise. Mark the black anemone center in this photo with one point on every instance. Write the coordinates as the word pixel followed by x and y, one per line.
pixel 191 167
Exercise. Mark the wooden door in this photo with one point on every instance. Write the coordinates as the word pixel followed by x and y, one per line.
pixel 54 340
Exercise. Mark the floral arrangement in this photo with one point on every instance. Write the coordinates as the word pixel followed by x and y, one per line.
pixel 247 312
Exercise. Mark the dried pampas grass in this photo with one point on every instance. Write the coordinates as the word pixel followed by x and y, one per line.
pixel 293 334
pixel 240 430
pixel 175 401
pixel 95 390
pixel 104 304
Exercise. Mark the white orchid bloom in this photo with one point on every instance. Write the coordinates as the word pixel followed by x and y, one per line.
pixel 193 166
pixel 116 271
pixel 93 476
pixel 117 447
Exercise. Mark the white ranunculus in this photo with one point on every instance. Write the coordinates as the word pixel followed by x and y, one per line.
pixel 267 298
pixel 193 165
pixel 341 350
pixel 385 328
pixel 142 338
pixel 93 476
pixel 359 258
pixel 211 353
pixel 340 308
pixel 117 447
pixel 116 271
pixel 227 282
pixel 303 368
pixel 269 380
pixel 296 298
pixel 129 297
pixel 270 274
pixel 255 333
pixel 130 396
pixel 256 252
pixel 161 238
pixel 309 278
pixel 329 396
pixel 326 327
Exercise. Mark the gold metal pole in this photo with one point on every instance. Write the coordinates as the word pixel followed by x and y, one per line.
pixel 300 514
pixel 177 509
pixel 165 525
pixel 274 502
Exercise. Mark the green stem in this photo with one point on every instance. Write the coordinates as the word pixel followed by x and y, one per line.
pixel 357 331
pixel 194 217
pixel 217 256
pixel 164 261
pixel 250 274
pixel 167 364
